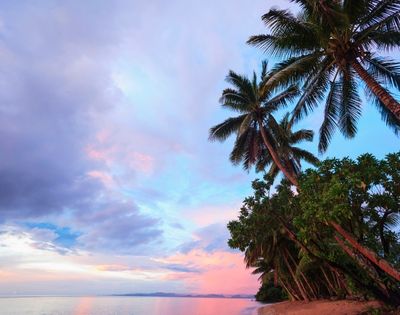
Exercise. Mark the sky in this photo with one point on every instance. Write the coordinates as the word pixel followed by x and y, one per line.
pixel 108 183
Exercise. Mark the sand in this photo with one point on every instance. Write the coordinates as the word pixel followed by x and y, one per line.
pixel 342 307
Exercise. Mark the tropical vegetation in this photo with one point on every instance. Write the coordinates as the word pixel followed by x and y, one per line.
pixel 255 123
pixel 289 236
pixel 328 231
pixel 330 47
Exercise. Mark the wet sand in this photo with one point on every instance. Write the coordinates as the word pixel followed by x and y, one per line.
pixel 342 307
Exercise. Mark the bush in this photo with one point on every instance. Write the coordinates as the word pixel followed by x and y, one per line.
pixel 270 294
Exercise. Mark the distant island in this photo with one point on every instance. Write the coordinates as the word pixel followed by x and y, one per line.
pixel 166 294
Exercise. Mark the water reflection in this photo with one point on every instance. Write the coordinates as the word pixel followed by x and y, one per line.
pixel 84 306
pixel 125 306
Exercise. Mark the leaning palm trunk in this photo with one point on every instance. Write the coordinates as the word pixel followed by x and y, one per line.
pixel 299 285
pixel 329 286
pixel 391 104
pixel 275 157
pixel 311 290
pixel 292 295
pixel 379 262
pixel 360 260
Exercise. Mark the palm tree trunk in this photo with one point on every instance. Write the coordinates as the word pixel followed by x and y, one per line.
pixel 302 275
pixel 383 95
pixel 275 157
pixel 312 291
pixel 364 265
pixel 331 288
pixel 292 295
pixel 342 282
pixel 293 236
pixel 299 286
pixel 381 263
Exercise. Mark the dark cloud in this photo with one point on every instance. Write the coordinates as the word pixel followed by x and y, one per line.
pixel 55 82
pixel 49 89
pixel 58 90
pixel 118 227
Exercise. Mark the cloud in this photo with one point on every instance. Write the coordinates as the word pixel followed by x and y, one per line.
pixel 219 271
pixel 56 85
pixel 119 228
pixel 211 238
pixel 105 161
pixel 47 104
pixel 28 269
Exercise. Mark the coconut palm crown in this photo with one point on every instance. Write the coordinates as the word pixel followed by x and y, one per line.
pixel 254 104
pixel 329 47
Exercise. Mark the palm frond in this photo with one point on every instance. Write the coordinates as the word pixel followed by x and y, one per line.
pixel 384 14
pixel 384 40
pixel 302 135
pixel 264 68
pixel 314 90
pixel 357 9
pixel 350 109
pixel 332 107
pixel 234 100
pixel 223 130
pixel 385 69
pixel 243 84
pixel 289 35
pixel 305 155
pixel 264 160
pixel 292 71
pixel 387 116
pixel 282 99
pixel 246 122
pixel 246 148
pixel 273 171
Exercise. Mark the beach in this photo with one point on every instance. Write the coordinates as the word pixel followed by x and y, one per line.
pixel 342 307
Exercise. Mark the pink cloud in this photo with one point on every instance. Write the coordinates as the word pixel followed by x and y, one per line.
pixel 103 177
pixel 120 154
pixel 208 214
pixel 221 272
pixel 115 267
pixel 141 162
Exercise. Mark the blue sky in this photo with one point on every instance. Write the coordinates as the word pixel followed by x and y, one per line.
pixel 108 183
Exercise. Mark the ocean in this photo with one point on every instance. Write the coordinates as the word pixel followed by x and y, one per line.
pixel 112 305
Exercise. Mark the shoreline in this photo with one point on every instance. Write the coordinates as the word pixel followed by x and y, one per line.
pixel 340 307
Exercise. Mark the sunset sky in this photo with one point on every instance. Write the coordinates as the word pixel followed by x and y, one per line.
pixel 108 183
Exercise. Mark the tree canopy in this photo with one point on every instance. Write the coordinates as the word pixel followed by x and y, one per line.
pixel 290 234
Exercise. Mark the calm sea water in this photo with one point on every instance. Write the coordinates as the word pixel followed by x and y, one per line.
pixel 125 306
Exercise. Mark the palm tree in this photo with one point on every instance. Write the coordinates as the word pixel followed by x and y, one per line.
pixel 329 47
pixel 255 105
pixel 286 140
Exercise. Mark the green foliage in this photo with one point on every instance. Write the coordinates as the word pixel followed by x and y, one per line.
pixel 255 105
pixel 268 293
pixel 329 47
pixel 361 195
pixel 336 234
pixel 289 234
pixel 286 144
